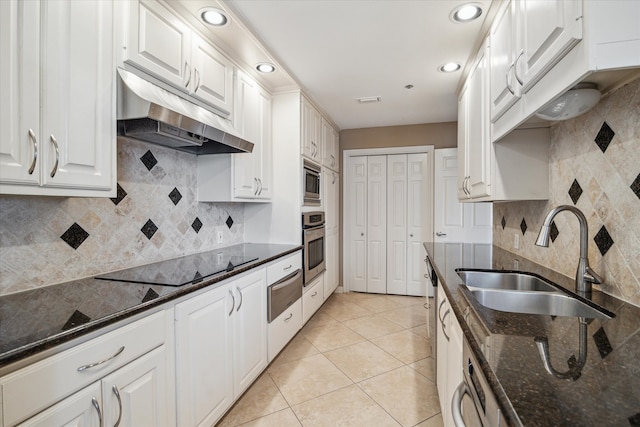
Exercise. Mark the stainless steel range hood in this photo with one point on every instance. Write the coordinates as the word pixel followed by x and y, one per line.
pixel 150 113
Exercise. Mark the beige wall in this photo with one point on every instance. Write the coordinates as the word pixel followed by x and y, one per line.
pixel 440 135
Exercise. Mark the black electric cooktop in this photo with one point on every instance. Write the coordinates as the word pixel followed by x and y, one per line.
pixel 180 271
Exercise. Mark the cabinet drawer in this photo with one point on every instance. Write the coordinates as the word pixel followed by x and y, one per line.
pixel 283 328
pixel 313 298
pixel 33 388
pixel 281 268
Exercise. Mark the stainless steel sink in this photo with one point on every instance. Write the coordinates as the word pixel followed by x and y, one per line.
pixel 504 280
pixel 536 302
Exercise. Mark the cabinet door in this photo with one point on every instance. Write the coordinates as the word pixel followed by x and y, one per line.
pixel 357 201
pixel 204 343
pixel 138 394
pixel 376 224
pixel 505 91
pixel 331 274
pixel 548 29
pixel 78 140
pixel 20 150
pixel 397 224
pixel 264 164
pixel 246 184
pixel 311 132
pixel 419 217
pixel 463 144
pixel 250 329
pixel 442 350
pixel 329 146
pixel 82 409
pixel 477 142
pixel 159 43
pixel 212 78
pixel 331 199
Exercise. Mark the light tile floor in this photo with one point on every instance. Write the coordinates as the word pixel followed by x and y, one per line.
pixel 361 360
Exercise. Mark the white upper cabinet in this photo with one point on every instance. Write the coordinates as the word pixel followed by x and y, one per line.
pixel 163 45
pixel 58 103
pixel 474 163
pixel 311 131
pixel 548 29
pixel 504 91
pixel 329 146
pixel 243 176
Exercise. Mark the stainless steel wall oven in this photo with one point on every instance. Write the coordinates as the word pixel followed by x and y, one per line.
pixel 313 241
pixel 311 183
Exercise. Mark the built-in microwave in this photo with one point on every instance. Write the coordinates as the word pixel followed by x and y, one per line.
pixel 311 183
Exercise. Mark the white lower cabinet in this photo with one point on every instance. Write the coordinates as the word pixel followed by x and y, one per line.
pixel 123 375
pixel 221 347
pixel 449 356
pixel 284 327
pixel 313 297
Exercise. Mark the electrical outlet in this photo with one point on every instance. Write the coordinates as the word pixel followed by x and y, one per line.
pixel 516 241
pixel 219 236
pixel 220 257
pixel 516 264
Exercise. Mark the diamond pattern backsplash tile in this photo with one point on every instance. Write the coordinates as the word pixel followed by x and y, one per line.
pixel 149 229
pixel 595 166
pixel 523 226
pixel 47 240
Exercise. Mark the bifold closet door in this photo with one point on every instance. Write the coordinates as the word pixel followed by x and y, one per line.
pixel 408 213
pixel 357 204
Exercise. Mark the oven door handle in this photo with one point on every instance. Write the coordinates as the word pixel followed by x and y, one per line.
pixel 456 403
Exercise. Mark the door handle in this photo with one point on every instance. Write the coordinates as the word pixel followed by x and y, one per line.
pixel 439 234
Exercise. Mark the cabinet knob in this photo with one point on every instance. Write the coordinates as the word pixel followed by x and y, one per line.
pixel 361 234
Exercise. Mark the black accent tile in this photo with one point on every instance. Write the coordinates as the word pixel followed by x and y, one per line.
pixel 553 233
pixel 76 319
pixel 602 342
pixel 635 186
pixel 523 226
pixel 149 229
pixel 120 195
pixel 575 191
pixel 175 196
pixel 229 222
pixel 149 160
pixel 150 295
pixel 75 236
pixel 196 225
pixel 634 420
pixel 604 137
pixel 197 277
pixel 503 222
pixel 603 240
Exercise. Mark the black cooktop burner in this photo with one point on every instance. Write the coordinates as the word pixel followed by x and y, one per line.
pixel 180 271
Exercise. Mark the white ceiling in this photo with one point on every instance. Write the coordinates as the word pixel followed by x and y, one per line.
pixel 340 50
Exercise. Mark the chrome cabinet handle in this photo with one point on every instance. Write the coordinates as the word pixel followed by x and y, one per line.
pixel 333 178
pixel 117 393
pixel 288 267
pixel 34 141
pixel 55 165
pixel 239 292
pixel 313 295
pixel 93 365
pixel 96 405
pixel 444 328
pixel 515 68
pixel 233 302
pixel 288 318
pixel 255 193
pixel 197 73
pixel 440 310
pixel 259 186
pixel 333 160
pixel 361 234
pixel 187 69
pixel 439 234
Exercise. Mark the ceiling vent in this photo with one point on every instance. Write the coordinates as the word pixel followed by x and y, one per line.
pixel 369 99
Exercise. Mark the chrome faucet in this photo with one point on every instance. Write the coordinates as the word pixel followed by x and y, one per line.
pixel 585 276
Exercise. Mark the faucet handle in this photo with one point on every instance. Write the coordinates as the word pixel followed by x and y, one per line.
pixel 592 277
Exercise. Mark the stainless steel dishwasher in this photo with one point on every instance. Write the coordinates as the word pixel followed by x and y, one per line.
pixel 283 293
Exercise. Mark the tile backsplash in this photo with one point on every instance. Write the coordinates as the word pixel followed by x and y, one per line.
pixel 595 166
pixel 155 216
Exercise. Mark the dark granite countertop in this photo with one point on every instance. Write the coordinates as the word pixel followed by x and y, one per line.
pixel 607 391
pixel 37 320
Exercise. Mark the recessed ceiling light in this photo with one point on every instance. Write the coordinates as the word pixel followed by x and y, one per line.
pixel 213 16
pixel 266 67
pixel 466 12
pixel 449 67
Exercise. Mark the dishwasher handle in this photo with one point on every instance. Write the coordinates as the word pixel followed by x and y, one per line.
pixel 285 281
pixel 456 403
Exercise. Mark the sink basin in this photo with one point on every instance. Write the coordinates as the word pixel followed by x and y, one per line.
pixel 536 302
pixel 504 280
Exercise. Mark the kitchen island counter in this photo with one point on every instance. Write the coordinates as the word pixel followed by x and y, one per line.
pixel 607 390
